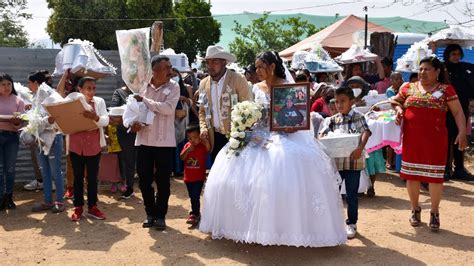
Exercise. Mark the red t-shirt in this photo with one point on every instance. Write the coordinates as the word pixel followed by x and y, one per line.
pixel 195 163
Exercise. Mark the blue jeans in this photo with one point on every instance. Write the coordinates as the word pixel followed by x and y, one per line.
pixel 351 179
pixel 9 142
pixel 194 192
pixel 51 167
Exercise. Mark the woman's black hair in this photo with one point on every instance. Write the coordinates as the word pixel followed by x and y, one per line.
pixel 451 48
pixel 412 76
pixel 273 58
pixel 38 76
pixel 301 78
pixel 83 81
pixel 182 88
pixel 5 76
pixel 437 64
pixel 193 128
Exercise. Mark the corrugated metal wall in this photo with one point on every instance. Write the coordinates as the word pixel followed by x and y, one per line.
pixel 18 62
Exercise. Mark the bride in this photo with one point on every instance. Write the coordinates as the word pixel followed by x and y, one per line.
pixel 282 193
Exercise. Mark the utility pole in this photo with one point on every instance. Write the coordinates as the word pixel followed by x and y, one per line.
pixel 366 24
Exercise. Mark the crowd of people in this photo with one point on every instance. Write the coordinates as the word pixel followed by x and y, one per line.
pixel 284 190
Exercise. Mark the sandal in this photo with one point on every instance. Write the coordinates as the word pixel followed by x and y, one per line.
pixel 415 219
pixel 434 222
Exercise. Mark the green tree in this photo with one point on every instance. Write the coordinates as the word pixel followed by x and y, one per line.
pixel 197 34
pixel 264 35
pixel 78 19
pixel 12 33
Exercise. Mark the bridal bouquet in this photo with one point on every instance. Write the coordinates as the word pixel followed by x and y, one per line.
pixel 244 115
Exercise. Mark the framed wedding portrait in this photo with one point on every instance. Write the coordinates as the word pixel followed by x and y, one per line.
pixel 290 107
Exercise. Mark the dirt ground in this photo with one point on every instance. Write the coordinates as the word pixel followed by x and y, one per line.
pixel 385 237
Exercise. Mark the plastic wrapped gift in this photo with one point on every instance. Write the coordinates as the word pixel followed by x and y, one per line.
pixel 373 97
pixel 81 57
pixel 355 54
pixel 410 61
pixel 340 145
pixel 180 61
pixel 135 57
pixel 454 34
pixel 316 60
pixel 117 111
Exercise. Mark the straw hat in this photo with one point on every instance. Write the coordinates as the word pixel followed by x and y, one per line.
pixel 218 52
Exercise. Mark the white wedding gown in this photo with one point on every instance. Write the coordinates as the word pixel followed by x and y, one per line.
pixel 283 193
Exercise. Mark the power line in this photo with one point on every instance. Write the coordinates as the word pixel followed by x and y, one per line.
pixel 198 17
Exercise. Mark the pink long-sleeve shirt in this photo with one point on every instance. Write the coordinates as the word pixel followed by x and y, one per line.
pixel 9 105
pixel 162 101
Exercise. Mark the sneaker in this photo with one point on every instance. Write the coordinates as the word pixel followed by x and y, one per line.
pixel 95 213
pixel 128 193
pixel 41 207
pixel 33 185
pixel 351 231
pixel 69 194
pixel 113 188
pixel 123 188
pixel 76 216
pixel 58 207
pixel 160 224
pixel 193 219
pixel 9 201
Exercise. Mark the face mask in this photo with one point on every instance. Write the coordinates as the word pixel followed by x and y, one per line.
pixel 357 91
pixel 175 79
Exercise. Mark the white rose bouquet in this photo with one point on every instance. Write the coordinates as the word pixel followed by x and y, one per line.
pixel 244 115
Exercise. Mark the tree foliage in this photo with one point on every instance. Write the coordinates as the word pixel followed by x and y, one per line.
pixel 265 35
pixel 190 36
pixel 12 33
pixel 196 33
pixel 75 19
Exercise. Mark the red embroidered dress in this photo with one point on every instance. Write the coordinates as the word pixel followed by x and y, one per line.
pixel 425 136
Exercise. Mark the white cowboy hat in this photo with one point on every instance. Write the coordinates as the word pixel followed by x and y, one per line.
pixel 217 52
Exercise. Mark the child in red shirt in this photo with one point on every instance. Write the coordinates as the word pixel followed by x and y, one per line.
pixel 194 155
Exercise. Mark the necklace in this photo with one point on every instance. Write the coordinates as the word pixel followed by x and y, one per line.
pixel 425 90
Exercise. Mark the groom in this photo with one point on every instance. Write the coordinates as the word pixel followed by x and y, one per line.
pixel 217 94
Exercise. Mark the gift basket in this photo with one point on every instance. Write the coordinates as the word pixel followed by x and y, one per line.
pixel 410 61
pixel 373 98
pixel 340 144
pixel 454 34
pixel 81 57
pixel 317 60
pixel 355 54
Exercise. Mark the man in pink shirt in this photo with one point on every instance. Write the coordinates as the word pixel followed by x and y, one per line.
pixel 156 142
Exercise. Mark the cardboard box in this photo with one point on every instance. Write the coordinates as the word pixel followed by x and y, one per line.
pixel 69 116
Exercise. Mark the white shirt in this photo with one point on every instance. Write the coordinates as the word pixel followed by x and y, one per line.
pixel 216 93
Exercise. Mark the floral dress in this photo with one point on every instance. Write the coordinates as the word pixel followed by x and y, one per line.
pixel 425 136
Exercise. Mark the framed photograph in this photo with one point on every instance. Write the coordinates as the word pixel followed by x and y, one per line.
pixel 289 107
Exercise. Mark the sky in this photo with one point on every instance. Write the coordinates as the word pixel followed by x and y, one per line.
pixel 429 10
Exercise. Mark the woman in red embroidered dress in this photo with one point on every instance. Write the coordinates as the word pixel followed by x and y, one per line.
pixel 425 139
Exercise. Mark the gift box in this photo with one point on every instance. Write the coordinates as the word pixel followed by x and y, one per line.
pixel 340 146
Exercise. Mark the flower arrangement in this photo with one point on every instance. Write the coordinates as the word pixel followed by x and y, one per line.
pixel 243 116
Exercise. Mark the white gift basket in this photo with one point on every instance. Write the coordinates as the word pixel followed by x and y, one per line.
pixel 340 145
